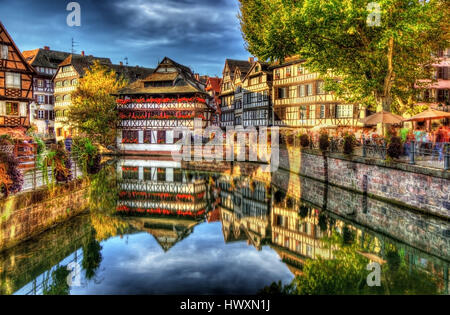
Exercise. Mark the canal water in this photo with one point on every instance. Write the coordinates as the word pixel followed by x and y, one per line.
pixel 161 227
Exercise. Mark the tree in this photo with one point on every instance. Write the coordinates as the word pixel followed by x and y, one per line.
pixel 376 66
pixel 93 111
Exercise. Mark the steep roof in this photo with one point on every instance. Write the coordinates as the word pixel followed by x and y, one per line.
pixel 19 53
pixel 81 63
pixel 181 73
pixel 214 84
pixel 45 58
pixel 243 65
pixel 132 74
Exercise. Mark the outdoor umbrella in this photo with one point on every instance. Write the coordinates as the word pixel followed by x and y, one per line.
pixel 382 118
pixel 430 114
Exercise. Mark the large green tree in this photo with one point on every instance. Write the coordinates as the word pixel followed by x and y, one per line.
pixel 93 111
pixel 374 64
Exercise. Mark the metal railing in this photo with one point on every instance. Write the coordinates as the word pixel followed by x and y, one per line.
pixel 435 155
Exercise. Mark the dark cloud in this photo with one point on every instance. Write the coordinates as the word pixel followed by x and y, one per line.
pixel 198 33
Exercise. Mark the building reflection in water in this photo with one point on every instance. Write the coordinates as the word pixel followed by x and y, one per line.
pixel 168 201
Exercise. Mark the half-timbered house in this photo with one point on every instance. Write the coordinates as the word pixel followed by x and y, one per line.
pixel 42 114
pixel 213 87
pixel 228 91
pixel 152 111
pixel 16 94
pixel 66 80
pixel 257 91
pixel 300 100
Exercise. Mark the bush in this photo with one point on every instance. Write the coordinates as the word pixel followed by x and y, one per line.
pixel 324 142
pixel 349 144
pixel 11 178
pixel 87 155
pixel 395 148
pixel 304 141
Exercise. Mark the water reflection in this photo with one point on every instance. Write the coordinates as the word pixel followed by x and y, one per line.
pixel 159 227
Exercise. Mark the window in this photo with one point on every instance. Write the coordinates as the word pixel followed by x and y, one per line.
pixel 40 83
pixel 74 82
pixel 266 95
pixel 277 74
pixel 283 92
pixel 130 136
pixel 67 83
pixel 59 84
pixel 288 72
pixel 3 52
pixel 41 114
pixel 344 111
pixel 66 69
pixel 161 174
pixel 320 88
pixel 41 99
pixel 300 70
pixel 13 80
pixel 12 109
pixel 161 137
pixel 309 89
pixel 67 97
pixel 301 91
pixel 322 111
pixel 303 112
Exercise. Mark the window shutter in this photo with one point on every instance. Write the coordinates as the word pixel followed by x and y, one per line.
pixel 23 110
pixel 2 108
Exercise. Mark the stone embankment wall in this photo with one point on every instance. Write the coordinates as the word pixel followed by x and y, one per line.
pixel 420 188
pixel 28 214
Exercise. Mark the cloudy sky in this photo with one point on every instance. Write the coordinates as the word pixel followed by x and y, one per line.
pixel 197 33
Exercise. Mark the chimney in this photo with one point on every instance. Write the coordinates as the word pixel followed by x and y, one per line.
pixel 121 63
pixel 46 48
pixel 82 53
pixel 197 77
pixel 251 59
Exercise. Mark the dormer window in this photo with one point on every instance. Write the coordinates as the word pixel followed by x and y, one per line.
pixel 3 52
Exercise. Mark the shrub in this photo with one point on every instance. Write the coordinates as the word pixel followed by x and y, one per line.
pixel 324 142
pixel 304 140
pixel 11 178
pixel 395 148
pixel 87 155
pixel 303 211
pixel 349 144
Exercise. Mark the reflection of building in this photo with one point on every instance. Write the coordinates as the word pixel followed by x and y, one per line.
pixel 300 100
pixel 160 188
pixel 151 109
pixel 245 211
pixel 166 231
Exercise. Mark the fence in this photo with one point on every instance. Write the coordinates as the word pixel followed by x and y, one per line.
pixel 35 178
pixel 435 155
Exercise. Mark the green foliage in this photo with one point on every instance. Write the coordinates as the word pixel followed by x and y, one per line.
pixel 395 147
pixel 324 142
pixel 92 256
pixel 304 140
pixel 93 111
pixel 87 155
pixel 349 144
pixel 362 64
pixel 59 284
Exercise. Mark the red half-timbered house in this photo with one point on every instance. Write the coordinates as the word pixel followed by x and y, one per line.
pixel 152 109
pixel 16 94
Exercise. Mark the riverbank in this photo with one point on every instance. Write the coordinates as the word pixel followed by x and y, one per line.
pixel 28 214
